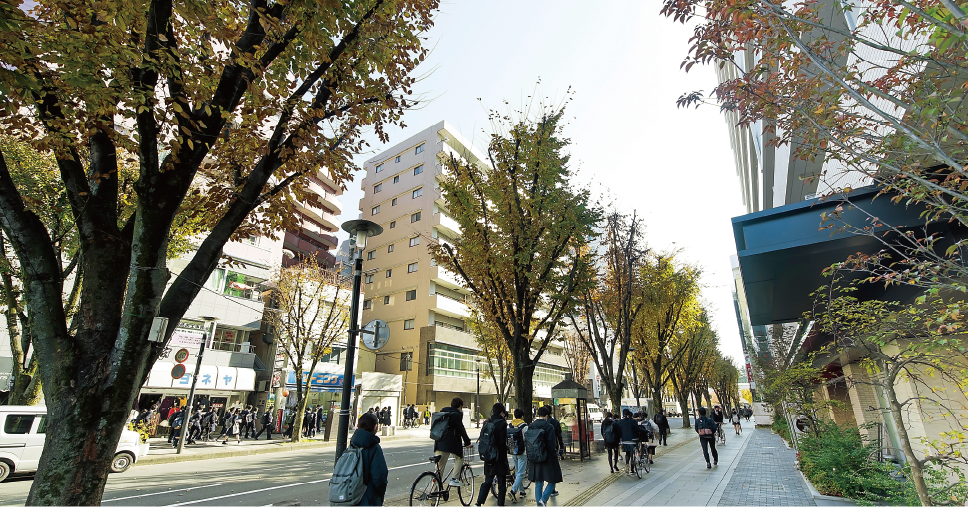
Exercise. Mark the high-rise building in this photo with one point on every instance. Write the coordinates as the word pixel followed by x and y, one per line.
pixel 318 222
pixel 425 304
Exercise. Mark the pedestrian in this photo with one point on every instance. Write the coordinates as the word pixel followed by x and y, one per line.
pixel 267 422
pixel 706 427
pixel 453 441
pixel 663 423
pixel 194 427
pixel 177 423
pixel 208 424
pixel 628 431
pixel 496 429
pixel 650 430
pixel 610 437
pixel 548 471
pixel 171 429
pixel 243 420
pixel 232 423
pixel 290 422
pixel 718 416
pixel 376 475
pixel 559 438
pixel 427 415
pixel 250 423
pixel 518 453
pixel 736 422
pixel 319 419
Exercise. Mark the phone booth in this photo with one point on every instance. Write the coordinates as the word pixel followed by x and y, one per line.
pixel 571 410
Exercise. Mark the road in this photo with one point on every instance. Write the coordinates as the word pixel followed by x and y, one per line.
pixel 284 478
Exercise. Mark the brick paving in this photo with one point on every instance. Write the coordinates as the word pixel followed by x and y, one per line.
pixel 766 475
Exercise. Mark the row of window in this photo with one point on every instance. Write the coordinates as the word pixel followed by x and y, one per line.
pixel 418 150
pixel 414 241
pixel 396 179
pixel 411 268
pixel 416 193
pixel 411 295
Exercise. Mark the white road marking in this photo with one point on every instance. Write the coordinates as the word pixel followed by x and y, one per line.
pixel 160 493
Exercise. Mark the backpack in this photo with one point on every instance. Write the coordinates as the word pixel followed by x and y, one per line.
pixel 348 485
pixel 702 424
pixel 485 443
pixel 608 434
pixel 516 439
pixel 439 424
pixel 536 445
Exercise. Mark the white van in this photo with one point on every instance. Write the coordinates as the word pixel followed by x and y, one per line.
pixel 22 433
pixel 595 413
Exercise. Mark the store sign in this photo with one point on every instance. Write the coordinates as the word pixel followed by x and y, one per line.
pixel 186 338
pixel 223 378
pixel 276 379
pixel 320 381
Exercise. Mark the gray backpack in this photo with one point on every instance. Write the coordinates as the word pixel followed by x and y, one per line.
pixel 347 485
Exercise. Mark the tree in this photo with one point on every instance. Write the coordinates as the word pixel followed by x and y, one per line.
pixel 609 308
pixel 699 344
pixel 576 355
pixel 310 311
pixel 724 380
pixel 522 250
pixel 495 348
pixel 242 100
pixel 669 290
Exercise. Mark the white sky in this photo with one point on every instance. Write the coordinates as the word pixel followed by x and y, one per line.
pixel 629 141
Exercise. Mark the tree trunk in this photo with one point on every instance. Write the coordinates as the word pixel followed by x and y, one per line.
pixel 917 471
pixel 296 435
pixel 683 398
pixel 26 386
pixel 615 398
pixel 523 381
pixel 656 399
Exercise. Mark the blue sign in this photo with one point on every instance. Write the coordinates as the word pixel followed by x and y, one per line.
pixel 320 382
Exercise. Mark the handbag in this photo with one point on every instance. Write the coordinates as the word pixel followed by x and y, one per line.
pixel 163 424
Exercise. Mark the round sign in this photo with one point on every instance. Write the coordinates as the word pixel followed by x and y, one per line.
pixel 181 355
pixel 376 334
pixel 178 371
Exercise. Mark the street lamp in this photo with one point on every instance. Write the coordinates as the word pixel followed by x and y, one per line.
pixel 362 229
pixel 191 394
pixel 477 402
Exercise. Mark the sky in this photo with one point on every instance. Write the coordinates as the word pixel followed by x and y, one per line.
pixel 630 144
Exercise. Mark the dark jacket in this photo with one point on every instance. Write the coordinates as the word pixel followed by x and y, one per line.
pixel 376 475
pixel 456 437
pixel 627 429
pixel 718 417
pixel 608 421
pixel 560 441
pixel 499 467
pixel 661 421
pixel 711 424
pixel 550 469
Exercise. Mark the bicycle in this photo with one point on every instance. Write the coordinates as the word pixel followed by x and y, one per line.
pixel 426 490
pixel 720 435
pixel 639 461
pixel 410 423
pixel 525 483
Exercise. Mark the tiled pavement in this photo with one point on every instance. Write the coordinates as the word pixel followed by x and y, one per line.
pixel 766 474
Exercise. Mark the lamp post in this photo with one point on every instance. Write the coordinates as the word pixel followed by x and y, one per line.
pixel 191 393
pixel 477 401
pixel 362 229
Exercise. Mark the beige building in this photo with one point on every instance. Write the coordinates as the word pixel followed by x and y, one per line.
pixel 424 304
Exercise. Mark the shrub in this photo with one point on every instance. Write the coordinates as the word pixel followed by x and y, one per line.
pixel 839 463
pixel 781 427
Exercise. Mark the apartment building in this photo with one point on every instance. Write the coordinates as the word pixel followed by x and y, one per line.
pixel 318 221
pixel 424 304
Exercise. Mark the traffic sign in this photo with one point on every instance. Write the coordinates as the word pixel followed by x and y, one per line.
pixel 181 356
pixel 178 371
pixel 376 334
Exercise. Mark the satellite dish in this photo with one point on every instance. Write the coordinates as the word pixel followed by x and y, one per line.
pixel 376 334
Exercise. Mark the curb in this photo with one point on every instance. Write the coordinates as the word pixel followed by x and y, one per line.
pixel 817 494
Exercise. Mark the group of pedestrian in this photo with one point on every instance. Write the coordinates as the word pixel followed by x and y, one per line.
pixel 632 432
pixel 411 415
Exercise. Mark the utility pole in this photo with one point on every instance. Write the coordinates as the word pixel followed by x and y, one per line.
pixel 191 393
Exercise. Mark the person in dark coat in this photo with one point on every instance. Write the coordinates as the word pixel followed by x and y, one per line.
pixel 548 471
pixel 628 431
pixel 707 441
pixel 376 475
pixel 454 441
pixel 497 469
pixel 558 436
pixel 663 423
pixel 611 447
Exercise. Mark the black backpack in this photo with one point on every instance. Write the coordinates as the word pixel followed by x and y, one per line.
pixel 608 433
pixel 439 424
pixel 485 443
pixel 516 439
pixel 536 444
pixel 705 429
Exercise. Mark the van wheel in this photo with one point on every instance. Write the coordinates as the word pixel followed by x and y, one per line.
pixel 4 470
pixel 122 461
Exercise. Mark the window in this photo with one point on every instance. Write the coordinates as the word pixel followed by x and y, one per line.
pixel 419 149
pixel 42 425
pixel 379 168
pixel 411 295
pixel 386 300
pixel 390 248
pixel 397 159
pixel 228 340
pixel 369 278
pixel 408 324
pixel 418 192
pixel 417 170
pixel 411 267
pixel 414 241
pixel 415 217
pixel 368 304
pixel 393 224
pixel 406 358
pixel 396 179
pixel 393 202
pixel 18 424
pixel 375 210
pixel 389 273
pixel 371 255
pixel 377 188
pixel 251 240
pixel 241 285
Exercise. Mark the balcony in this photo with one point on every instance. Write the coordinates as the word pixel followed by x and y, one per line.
pixel 325 178
pixel 443 276
pixel 451 307
pixel 329 200
pixel 447 224
pixel 328 220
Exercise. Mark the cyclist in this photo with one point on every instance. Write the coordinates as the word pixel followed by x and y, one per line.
pixel 718 417
pixel 451 442
pixel 649 429
pixel 628 431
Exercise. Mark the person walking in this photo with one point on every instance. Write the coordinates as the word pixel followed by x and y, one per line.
pixel 496 469
pixel 290 422
pixel 232 423
pixel 177 423
pixel 267 422
pixel 518 453
pixel 663 423
pixel 737 426
pixel 559 438
pixel 609 436
pixel 250 428
pixel 427 415
pixel 319 419
pixel 706 427
pixel 194 428
pixel 376 475
pixel 453 441
pixel 171 413
pixel 244 420
pixel 547 473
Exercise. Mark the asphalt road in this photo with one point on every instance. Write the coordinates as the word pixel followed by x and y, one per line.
pixel 285 478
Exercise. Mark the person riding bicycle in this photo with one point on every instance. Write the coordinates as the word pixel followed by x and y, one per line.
pixel 628 431
pixel 451 442
pixel 718 417
pixel 650 429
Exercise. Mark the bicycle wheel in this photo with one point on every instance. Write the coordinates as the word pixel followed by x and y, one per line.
pixel 643 462
pixel 425 491
pixel 722 437
pixel 466 489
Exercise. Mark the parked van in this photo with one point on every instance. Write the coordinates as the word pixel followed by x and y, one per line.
pixel 595 413
pixel 22 433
